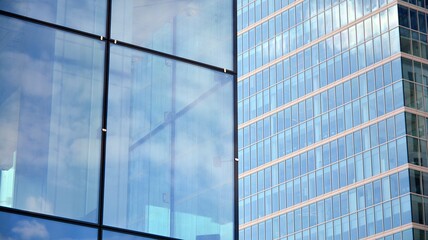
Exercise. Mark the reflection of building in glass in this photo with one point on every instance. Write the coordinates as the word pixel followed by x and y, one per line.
pixel 117 120
pixel 332 114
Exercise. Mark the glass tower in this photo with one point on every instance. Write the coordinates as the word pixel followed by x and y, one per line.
pixel 333 119
pixel 117 119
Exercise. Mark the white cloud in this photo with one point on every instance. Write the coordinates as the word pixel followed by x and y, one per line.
pixel 30 230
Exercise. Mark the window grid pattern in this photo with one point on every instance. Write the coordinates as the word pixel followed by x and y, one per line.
pixel 373 150
pixel 357 213
pixel 317 67
pixel 411 233
pixel 268 41
pixel 250 11
pixel 324 115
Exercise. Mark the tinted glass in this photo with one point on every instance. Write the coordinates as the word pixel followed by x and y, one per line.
pixel 15 226
pixel 50 120
pixel 199 30
pixel 169 168
pixel 88 16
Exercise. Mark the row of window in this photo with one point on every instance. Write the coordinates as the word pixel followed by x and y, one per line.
pixel 407 234
pixel 259 9
pixel 360 198
pixel 296 115
pixel 417 126
pixel 336 150
pixel 417 96
pixel 414 43
pixel 413 19
pixel 309 80
pixel 417 151
pixel 374 159
pixel 364 223
pixel 319 104
pixel 322 181
pixel 259 133
pixel 303 83
pixel 290 40
pixel 420 3
pixel 281 27
pixel 415 71
pixel 251 11
pixel 343 171
pixel 318 53
pixel 413 32
pixel 321 127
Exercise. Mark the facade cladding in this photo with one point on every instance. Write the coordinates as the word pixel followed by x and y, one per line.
pixel 117 119
pixel 333 119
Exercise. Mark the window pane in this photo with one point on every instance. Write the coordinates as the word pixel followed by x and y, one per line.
pixel 50 121
pixel 169 157
pixel 185 28
pixel 88 16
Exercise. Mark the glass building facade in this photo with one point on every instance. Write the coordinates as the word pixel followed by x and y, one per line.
pixel 333 119
pixel 117 121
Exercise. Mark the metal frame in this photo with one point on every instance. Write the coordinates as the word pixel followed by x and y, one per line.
pixel 235 118
pixel 108 41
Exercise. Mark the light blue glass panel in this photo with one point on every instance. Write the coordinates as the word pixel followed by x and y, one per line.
pixel 88 16
pixel 198 30
pixel 14 226
pixel 51 86
pixel 169 157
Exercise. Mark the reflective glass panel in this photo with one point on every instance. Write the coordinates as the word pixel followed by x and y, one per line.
pixel 169 157
pixel 50 120
pixel 88 16
pixel 14 226
pixel 199 30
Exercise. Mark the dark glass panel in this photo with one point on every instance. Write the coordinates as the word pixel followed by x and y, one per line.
pixel 108 235
pixel 51 85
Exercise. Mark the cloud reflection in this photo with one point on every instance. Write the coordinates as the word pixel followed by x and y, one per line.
pixel 185 28
pixel 50 103
pixel 140 152
pixel 30 230
pixel 80 14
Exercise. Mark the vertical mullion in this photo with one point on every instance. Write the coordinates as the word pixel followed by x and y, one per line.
pixel 104 121
pixel 235 120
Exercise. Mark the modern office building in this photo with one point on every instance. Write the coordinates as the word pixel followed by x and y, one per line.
pixel 117 119
pixel 333 119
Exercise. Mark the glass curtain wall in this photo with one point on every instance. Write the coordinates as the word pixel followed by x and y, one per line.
pixel 117 119
pixel 332 102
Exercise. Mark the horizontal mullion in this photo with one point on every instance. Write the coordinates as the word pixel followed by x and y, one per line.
pixel 170 56
pixel 53 218
pixel 48 217
pixel 51 25
pixel 116 42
